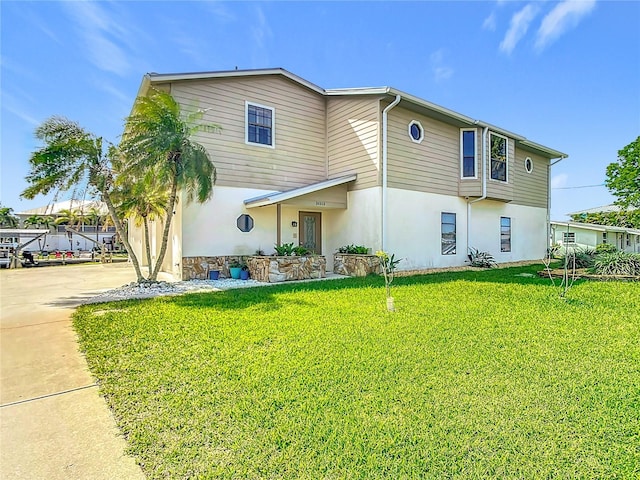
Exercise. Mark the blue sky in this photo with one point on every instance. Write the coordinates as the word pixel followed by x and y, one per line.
pixel 563 74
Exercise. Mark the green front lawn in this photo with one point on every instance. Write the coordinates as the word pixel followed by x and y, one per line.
pixel 477 375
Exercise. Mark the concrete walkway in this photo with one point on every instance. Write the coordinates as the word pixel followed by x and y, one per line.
pixel 53 423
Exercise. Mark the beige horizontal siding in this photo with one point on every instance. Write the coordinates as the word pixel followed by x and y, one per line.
pixel 432 166
pixel 299 156
pixel 530 188
pixel 353 128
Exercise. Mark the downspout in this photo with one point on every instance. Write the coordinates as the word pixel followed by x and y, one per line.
pixel 384 169
pixel 485 172
pixel 551 164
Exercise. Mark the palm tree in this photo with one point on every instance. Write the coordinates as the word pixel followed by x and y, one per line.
pixel 32 221
pixel 70 217
pixel 158 138
pixel 143 201
pixel 94 218
pixel 37 221
pixel 73 157
pixel 7 218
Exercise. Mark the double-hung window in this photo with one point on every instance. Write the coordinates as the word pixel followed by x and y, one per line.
pixel 260 123
pixel 468 153
pixel 499 157
pixel 505 234
pixel 448 230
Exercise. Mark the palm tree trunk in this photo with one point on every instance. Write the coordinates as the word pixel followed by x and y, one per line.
pixel 123 237
pixel 165 231
pixel 147 245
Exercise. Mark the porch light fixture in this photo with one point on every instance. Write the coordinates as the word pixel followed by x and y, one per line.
pixel 294 224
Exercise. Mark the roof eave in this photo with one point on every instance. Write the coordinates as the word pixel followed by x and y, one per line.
pixel 177 77
pixel 278 197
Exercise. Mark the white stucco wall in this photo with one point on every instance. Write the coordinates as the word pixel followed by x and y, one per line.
pixel 414 229
pixel 210 229
pixel 359 224
pixel 528 230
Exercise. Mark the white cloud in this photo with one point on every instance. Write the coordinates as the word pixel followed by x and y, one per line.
pixel 559 181
pixel 261 33
pixel 564 16
pixel 103 36
pixel 490 22
pixel 220 11
pixel 441 71
pixel 518 27
pixel 15 106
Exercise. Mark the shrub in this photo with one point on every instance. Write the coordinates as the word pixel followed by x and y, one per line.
pixel 583 257
pixel 481 259
pixel 300 251
pixel 605 248
pixel 353 249
pixel 553 250
pixel 617 263
pixel 285 249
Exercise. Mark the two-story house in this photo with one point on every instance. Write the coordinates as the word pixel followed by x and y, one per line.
pixel 370 166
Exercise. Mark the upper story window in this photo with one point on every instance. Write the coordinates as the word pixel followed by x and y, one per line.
pixel 416 132
pixel 468 153
pixel 260 122
pixel 499 157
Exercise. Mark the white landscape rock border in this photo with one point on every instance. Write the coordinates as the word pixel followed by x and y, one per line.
pixel 151 290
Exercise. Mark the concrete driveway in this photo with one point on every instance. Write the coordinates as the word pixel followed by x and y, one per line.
pixel 53 423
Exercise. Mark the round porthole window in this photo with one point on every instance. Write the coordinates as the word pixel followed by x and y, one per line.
pixel 416 132
pixel 528 165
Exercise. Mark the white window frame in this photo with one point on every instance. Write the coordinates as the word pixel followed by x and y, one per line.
pixel 246 125
pixel 569 238
pixel 528 159
pixel 411 124
pixel 510 235
pixel 475 153
pixel 506 172
pixel 454 251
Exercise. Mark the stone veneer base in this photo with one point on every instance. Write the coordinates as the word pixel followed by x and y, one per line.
pixel 355 265
pixel 261 268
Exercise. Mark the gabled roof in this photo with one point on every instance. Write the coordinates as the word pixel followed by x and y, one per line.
pixel 54 208
pixel 603 209
pixel 596 227
pixel 279 197
pixel 409 101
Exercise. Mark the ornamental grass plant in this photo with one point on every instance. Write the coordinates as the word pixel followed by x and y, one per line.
pixel 481 374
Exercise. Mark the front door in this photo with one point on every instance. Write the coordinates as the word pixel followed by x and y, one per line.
pixel 309 231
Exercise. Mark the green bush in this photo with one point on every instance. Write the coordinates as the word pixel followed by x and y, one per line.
pixel 354 249
pixel 605 248
pixel 481 259
pixel 301 251
pixel 285 249
pixel 584 257
pixel 617 263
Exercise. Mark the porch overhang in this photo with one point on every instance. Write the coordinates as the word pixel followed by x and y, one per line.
pixel 294 196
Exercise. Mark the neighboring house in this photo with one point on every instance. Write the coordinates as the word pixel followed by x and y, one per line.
pixel 60 239
pixel 370 166
pixel 581 235
pixel 604 209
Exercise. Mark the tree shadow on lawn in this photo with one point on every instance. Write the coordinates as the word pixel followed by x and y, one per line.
pixel 243 298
